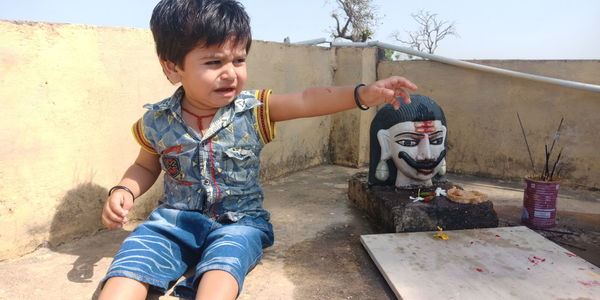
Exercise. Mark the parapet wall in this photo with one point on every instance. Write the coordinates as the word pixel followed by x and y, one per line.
pixel 70 95
pixel 71 92
pixel 481 108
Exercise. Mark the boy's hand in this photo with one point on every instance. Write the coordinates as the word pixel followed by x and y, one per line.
pixel 116 208
pixel 386 91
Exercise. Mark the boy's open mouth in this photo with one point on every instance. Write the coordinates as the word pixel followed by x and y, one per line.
pixel 226 90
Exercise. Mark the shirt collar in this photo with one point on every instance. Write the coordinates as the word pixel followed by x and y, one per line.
pixel 243 102
pixel 223 117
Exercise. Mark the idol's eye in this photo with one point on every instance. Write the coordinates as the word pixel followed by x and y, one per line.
pixel 407 142
pixel 436 141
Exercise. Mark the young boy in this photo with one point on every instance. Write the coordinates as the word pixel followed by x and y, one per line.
pixel 207 138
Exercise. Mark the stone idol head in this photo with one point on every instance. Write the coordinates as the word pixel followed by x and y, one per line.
pixel 408 145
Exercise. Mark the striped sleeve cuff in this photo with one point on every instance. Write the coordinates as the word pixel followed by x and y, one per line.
pixel 266 128
pixel 140 137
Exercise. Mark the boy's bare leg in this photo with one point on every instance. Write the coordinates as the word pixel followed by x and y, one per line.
pixel 217 285
pixel 123 288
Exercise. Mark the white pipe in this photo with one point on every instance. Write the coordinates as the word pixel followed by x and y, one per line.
pixel 312 42
pixel 349 44
pixel 469 65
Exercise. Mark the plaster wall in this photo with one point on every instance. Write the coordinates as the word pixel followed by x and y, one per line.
pixel 349 142
pixel 481 109
pixel 70 94
pixel 287 68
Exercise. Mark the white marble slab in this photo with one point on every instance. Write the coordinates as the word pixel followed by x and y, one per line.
pixel 492 263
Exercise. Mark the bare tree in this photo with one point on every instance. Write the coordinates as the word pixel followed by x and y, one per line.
pixel 354 19
pixel 430 33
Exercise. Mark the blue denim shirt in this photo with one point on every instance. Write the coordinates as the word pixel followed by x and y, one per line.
pixel 216 174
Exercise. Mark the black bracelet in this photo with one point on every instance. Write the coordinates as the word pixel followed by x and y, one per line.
pixel 362 107
pixel 120 187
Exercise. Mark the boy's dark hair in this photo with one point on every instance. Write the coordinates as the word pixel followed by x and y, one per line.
pixel 180 25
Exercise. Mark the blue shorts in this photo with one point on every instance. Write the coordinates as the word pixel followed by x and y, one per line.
pixel 171 241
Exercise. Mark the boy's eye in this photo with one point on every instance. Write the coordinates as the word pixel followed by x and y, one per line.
pixel 240 61
pixel 213 62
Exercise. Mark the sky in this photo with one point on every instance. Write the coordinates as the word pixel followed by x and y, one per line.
pixel 487 29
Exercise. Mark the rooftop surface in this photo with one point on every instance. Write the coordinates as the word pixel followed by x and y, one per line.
pixel 317 252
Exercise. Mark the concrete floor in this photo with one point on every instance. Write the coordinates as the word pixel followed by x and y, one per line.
pixel 317 253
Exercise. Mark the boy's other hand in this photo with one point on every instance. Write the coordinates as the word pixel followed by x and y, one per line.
pixel 386 91
pixel 116 208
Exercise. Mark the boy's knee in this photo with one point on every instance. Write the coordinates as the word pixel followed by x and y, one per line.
pixel 123 288
pixel 247 236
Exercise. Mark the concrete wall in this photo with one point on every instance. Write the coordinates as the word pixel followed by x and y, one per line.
pixel 484 133
pixel 349 144
pixel 69 96
pixel 286 68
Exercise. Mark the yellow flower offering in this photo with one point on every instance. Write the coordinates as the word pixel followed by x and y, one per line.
pixel 441 234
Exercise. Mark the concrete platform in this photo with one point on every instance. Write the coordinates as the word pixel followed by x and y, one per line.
pixel 317 253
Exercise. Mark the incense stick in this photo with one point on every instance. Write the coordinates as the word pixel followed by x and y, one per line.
pixel 526 143
pixel 555 163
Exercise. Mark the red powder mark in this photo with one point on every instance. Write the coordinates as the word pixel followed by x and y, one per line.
pixel 583 269
pixel 590 283
pixel 472 243
pixel 479 270
pixel 540 259
pixel 531 261
pixel 528 268
pixel 424 127
pixel 497 235
pixel 570 254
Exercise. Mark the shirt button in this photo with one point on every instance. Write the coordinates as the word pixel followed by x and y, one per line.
pixel 206 181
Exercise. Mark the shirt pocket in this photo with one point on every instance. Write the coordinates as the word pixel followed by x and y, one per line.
pixel 240 165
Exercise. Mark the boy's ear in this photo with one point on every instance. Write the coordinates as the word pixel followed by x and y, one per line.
pixel 170 70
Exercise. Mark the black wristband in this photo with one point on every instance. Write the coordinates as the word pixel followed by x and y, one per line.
pixel 357 100
pixel 121 187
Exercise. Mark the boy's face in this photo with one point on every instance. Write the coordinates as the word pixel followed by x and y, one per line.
pixel 213 76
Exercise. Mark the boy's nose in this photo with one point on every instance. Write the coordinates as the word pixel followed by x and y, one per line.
pixel 424 149
pixel 228 72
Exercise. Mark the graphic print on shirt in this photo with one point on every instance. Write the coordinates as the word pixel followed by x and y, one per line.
pixel 172 167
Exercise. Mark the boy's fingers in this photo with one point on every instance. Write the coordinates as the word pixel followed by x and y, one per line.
pixel 385 93
pixel 115 206
pixel 109 223
pixel 403 82
pixel 112 216
pixel 402 93
pixel 127 204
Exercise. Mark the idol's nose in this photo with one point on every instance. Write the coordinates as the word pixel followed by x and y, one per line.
pixel 424 149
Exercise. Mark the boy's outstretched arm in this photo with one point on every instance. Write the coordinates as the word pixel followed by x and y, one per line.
pixel 139 177
pixel 319 101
